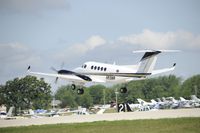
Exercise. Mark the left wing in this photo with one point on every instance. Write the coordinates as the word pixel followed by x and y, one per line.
pixel 64 74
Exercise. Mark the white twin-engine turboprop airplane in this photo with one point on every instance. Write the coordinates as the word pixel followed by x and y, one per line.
pixel 103 73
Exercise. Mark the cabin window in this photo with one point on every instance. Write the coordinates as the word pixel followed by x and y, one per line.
pixel 85 66
pixel 105 69
pixel 95 67
pixel 117 70
pixel 101 68
pixel 98 68
pixel 92 67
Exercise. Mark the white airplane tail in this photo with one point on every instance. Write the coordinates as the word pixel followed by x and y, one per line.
pixel 142 102
pixel 148 61
pixel 182 99
pixel 194 97
pixel 10 112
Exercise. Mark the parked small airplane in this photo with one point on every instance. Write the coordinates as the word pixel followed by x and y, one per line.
pixel 148 105
pixel 195 100
pixel 9 114
pixel 183 103
pixel 102 73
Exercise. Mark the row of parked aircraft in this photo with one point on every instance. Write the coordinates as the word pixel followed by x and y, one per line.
pixel 166 103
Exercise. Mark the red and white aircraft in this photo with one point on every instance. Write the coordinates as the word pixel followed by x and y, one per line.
pixel 103 73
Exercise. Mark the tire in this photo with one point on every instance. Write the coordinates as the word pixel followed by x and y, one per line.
pixel 73 86
pixel 80 91
pixel 123 90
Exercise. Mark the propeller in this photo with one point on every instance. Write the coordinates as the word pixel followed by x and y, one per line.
pixel 67 72
pixel 53 69
pixel 56 80
pixel 57 71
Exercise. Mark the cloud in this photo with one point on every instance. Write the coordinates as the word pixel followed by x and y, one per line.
pixel 32 6
pixel 100 49
pixel 79 49
pixel 163 40
pixel 90 44
pixel 15 57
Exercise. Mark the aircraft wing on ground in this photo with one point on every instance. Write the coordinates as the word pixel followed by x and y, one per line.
pixel 154 72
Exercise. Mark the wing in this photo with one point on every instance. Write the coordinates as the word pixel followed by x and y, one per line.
pixel 131 75
pixel 71 76
pixel 154 72
pixel 68 77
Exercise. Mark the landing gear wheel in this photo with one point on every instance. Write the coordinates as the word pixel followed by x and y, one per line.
pixel 123 90
pixel 73 86
pixel 80 91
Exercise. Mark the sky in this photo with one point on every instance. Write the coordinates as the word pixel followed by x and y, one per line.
pixel 46 33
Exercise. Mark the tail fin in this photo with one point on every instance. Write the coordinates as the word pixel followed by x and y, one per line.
pixel 148 61
pixel 10 112
pixel 142 102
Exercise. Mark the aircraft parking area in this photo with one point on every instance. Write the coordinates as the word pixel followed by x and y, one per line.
pixel 159 114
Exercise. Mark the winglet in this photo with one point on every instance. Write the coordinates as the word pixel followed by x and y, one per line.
pixel 28 69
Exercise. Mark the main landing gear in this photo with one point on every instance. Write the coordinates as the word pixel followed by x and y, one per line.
pixel 80 90
pixel 123 89
pixel 73 87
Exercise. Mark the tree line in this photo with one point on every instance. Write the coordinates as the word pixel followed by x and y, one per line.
pixel 30 92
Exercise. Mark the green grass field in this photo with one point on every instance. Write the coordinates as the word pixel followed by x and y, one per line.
pixel 179 125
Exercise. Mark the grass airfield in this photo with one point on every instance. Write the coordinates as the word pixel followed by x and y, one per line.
pixel 182 125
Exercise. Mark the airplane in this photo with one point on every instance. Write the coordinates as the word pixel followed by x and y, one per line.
pixel 195 101
pixel 152 105
pixel 144 103
pixel 183 103
pixel 173 102
pixel 9 115
pixel 97 72
pixel 163 104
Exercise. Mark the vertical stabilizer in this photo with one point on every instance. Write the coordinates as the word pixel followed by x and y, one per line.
pixel 10 112
pixel 148 61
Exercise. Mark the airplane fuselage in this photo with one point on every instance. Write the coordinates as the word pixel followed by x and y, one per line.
pixel 104 72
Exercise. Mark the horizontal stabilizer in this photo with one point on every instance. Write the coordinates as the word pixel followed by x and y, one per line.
pixel 154 72
pixel 143 51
